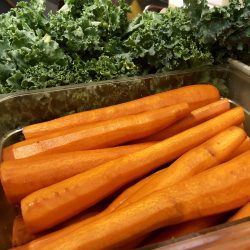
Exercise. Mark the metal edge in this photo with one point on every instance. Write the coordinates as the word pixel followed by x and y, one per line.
pixel 4 97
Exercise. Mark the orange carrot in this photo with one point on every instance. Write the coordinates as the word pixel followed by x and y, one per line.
pixel 56 203
pixel 24 176
pixel 20 232
pixel 213 152
pixel 194 118
pixel 127 193
pixel 210 192
pixel 99 135
pixel 120 199
pixel 242 213
pixel 242 148
pixel 184 228
pixel 209 154
pixel 195 95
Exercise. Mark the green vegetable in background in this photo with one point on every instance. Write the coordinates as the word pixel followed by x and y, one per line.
pixel 225 30
pixel 163 42
pixel 93 40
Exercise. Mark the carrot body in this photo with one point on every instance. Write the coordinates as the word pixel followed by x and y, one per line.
pixel 195 95
pixel 196 117
pixel 184 228
pixel 209 154
pixel 119 200
pixel 217 190
pixel 126 194
pixel 24 176
pixel 242 213
pixel 216 150
pixel 56 203
pixel 245 146
pixel 99 135
pixel 20 232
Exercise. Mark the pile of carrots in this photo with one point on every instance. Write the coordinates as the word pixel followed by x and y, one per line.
pixel 166 165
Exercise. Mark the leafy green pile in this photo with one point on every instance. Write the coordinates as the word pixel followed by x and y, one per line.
pixel 225 30
pixel 93 40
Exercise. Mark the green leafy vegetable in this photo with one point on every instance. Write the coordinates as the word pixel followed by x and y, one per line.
pixel 93 40
pixel 225 30
pixel 166 41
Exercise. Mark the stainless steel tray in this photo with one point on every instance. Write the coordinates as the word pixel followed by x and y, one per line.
pixel 23 108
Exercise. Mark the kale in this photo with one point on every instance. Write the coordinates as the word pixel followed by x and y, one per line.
pixel 93 40
pixel 164 42
pixel 24 43
pixel 225 30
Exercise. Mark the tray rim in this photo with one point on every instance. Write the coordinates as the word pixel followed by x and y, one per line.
pixel 226 67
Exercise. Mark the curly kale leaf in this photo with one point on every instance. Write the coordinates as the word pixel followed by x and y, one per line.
pixel 24 43
pixel 110 67
pixel 88 33
pixel 165 41
pixel 225 30
pixel 74 71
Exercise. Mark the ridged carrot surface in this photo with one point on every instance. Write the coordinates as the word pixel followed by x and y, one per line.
pixel 24 176
pixel 20 233
pixel 56 203
pixel 195 95
pixel 196 117
pixel 213 152
pixel 245 146
pixel 217 190
pixel 99 135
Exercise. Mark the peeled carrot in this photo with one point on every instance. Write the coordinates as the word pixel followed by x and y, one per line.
pixel 120 199
pixel 210 192
pixel 242 213
pixel 56 203
pixel 126 194
pixel 216 150
pixel 245 145
pixel 195 95
pixel 184 228
pixel 99 135
pixel 24 176
pixel 196 117
pixel 20 232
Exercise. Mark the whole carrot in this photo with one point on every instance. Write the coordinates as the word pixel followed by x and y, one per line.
pixel 56 203
pixel 99 135
pixel 210 192
pixel 24 176
pixel 195 95
pixel 242 213
pixel 196 117
pixel 216 150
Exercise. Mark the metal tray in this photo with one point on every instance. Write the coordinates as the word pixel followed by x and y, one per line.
pixel 23 108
